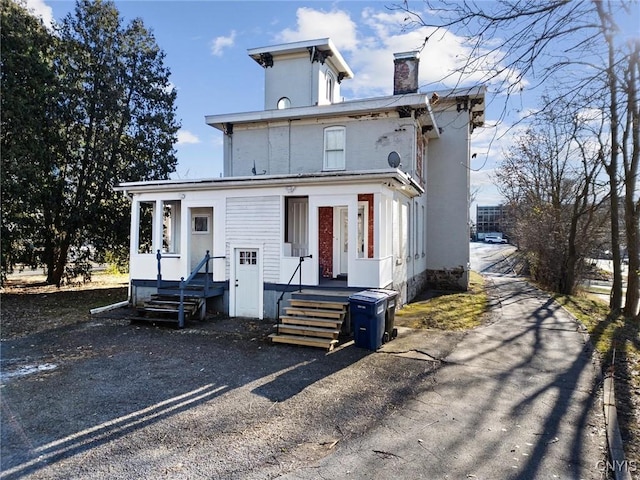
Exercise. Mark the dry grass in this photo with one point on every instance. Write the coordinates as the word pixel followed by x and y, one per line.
pixel 447 311
pixel 29 305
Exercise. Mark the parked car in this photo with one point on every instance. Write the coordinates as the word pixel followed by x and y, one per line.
pixel 494 239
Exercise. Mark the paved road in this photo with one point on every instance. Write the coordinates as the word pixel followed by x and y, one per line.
pixel 518 399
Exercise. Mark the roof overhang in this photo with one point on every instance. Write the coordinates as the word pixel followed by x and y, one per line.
pixel 417 103
pixel 264 55
pixel 394 178
pixel 470 99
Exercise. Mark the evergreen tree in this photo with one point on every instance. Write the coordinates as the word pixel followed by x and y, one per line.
pixel 113 114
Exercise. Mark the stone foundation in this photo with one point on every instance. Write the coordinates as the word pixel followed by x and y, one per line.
pixel 455 279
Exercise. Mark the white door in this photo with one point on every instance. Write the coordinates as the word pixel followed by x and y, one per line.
pixel 201 236
pixel 247 283
pixel 343 240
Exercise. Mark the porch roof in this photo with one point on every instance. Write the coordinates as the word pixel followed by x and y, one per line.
pixel 394 177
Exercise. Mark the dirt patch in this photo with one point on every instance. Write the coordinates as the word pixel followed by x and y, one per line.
pixel 30 306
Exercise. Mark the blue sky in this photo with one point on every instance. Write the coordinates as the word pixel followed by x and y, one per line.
pixel 206 44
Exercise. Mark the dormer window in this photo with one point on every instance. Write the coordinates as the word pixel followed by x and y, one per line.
pixel 283 103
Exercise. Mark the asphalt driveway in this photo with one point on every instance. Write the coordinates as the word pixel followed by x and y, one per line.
pixel 106 399
pixel 518 399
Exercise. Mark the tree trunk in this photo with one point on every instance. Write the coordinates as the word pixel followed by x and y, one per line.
pixel 615 301
pixel 59 263
pixel 632 300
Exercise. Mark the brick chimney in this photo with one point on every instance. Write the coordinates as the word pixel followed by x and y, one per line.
pixel 405 72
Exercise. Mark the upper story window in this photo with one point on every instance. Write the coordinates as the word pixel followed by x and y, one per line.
pixel 330 83
pixel 283 103
pixel 334 148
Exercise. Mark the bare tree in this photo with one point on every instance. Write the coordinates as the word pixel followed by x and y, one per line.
pixel 551 177
pixel 515 45
pixel 631 159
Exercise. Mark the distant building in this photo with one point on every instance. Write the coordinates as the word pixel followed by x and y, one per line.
pixel 490 220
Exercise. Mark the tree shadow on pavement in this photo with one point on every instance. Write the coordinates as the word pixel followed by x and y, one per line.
pixel 618 341
pixel 568 396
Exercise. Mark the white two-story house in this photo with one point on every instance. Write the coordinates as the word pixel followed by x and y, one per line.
pixel 373 193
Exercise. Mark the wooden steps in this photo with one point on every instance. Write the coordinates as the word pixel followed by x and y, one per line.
pixel 309 331
pixel 166 308
pixel 302 340
pixel 312 319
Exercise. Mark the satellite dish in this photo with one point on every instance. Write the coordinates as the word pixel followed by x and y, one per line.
pixel 394 159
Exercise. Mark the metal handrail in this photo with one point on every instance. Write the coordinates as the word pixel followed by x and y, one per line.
pixel 184 284
pixel 297 270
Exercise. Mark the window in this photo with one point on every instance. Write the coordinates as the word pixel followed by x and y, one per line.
pixel 171 226
pixel 145 226
pixel 403 230
pixel 200 224
pixel 334 148
pixel 248 257
pixel 363 230
pixel 283 103
pixel 329 87
pixel 296 234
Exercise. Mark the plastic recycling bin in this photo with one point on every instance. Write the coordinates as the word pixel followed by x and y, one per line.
pixel 367 310
pixel 390 332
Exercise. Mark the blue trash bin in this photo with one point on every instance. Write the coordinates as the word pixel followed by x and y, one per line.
pixel 390 331
pixel 367 310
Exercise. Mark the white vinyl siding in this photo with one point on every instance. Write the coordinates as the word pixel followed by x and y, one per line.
pixel 256 220
pixel 334 151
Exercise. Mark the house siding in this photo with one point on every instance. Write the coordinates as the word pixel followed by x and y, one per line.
pixel 447 191
pixel 297 147
pixel 256 221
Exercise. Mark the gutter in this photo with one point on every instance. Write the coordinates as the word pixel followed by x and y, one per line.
pixel 398 176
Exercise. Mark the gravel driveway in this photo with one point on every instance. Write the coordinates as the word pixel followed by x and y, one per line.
pixel 111 399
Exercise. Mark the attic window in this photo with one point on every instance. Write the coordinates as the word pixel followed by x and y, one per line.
pixel 283 103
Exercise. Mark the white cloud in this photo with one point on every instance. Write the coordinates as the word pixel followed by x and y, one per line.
pixel 220 43
pixel 336 24
pixel 370 50
pixel 186 137
pixel 40 9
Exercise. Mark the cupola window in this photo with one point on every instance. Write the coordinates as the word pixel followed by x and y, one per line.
pixel 283 103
